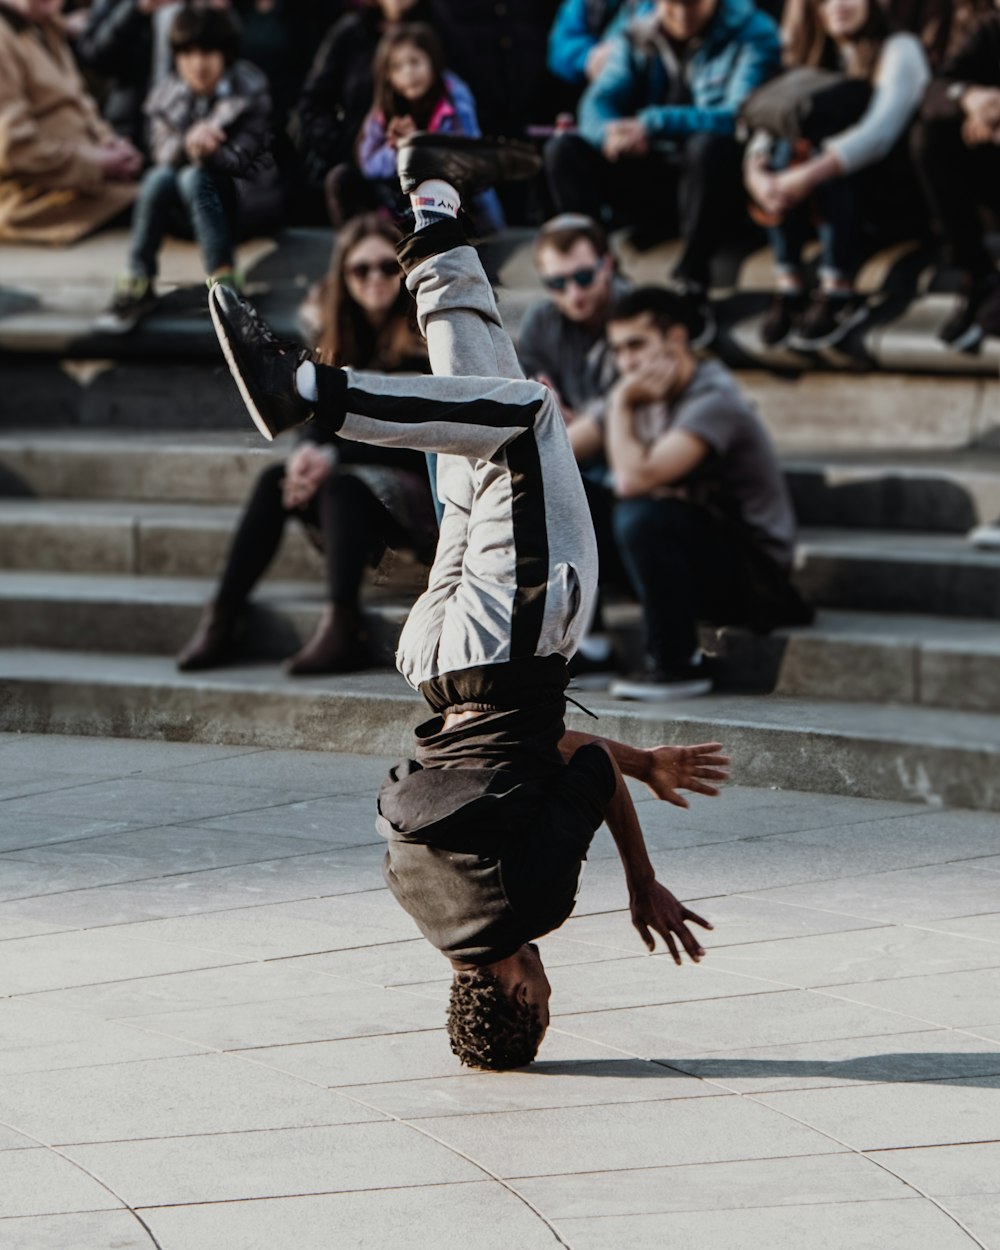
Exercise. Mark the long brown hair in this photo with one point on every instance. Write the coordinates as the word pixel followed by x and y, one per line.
pixel 347 339
pixel 809 44
pixel 385 100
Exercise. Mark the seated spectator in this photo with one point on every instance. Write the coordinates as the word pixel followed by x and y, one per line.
pixel 860 159
pixel 63 171
pixel 117 43
pixel 338 91
pixel 213 173
pixel 703 518
pixel 563 343
pixel 581 38
pixel 957 149
pixel 127 43
pixel 500 50
pixel 382 499
pixel 940 25
pixel 562 340
pixel 659 121
pixel 412 91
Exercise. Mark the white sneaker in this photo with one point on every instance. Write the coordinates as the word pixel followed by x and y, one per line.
pixel 986 537
pixel 657 685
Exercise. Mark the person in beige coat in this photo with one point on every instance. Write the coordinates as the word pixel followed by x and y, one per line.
pixel 63 171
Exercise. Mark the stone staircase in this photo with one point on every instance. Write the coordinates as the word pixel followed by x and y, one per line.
pixel 123 466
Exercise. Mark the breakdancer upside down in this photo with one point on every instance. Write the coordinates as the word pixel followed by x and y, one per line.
pixel 490 821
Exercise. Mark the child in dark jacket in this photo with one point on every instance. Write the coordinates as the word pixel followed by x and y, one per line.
pixel 213 171
pixel 414 91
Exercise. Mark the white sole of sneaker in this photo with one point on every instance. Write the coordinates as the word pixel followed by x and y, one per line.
pixel 800 344
pixel 663 693
pixel 227 351
pixel 985 537
pixel 969 342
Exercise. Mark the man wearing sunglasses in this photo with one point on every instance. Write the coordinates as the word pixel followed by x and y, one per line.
pixel 490 821
pixel 657 128
pixel 563 343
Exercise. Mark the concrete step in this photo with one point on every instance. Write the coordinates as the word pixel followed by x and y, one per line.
pixel 898 572
pixel 931 492
pixel 806 412
pixel 156 540
pixel 872 571
pixel 895 489
pixel 911 754
pixel 858 656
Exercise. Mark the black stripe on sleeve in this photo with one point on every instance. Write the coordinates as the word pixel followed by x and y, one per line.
pixel 531 545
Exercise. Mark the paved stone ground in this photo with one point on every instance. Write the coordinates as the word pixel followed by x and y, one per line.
pixel 218 1031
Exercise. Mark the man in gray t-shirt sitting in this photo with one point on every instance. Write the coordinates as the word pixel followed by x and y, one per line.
pixel 702 515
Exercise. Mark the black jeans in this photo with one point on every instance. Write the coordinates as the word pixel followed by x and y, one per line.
pixel 349 523
pixel 957 181
pixel 688 565
pixel 701 182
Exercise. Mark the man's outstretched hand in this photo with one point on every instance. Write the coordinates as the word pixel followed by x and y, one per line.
pixel 685 768
pixel 655 910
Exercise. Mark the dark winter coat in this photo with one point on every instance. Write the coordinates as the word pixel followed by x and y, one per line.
pixel 242 108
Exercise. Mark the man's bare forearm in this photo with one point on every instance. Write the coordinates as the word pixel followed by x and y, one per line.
pixel 623 822
pixel 632 761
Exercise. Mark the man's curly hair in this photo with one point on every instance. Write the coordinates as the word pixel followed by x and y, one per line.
pixel 487 1029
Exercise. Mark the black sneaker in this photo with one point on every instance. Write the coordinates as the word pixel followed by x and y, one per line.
pixel 964 330
pixel 263 366
pixel 782 316
pixel 827 321
pixel 134 299
pixel 701 324
pixel 988 316
pixel 470 165
pixel 656 684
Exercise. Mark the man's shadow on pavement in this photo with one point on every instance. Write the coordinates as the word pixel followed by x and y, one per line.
pixel 971 1068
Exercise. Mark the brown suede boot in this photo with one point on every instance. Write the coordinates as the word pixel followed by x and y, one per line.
pixel 213 642
pixel 335 647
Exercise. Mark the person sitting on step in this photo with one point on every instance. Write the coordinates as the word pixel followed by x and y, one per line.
pixel 213 172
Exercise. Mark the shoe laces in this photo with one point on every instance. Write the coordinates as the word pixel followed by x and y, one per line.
pixel 269 340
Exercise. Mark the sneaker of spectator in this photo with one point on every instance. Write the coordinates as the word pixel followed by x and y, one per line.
pixel 657 684
pixel 986 537
pixel 828 320
pixel 782 317
pixel 134 298
pixel 977 308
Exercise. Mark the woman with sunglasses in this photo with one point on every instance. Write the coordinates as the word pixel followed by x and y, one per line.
pixel 354 500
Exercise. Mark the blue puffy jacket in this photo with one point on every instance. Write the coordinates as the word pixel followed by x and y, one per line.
pixel 582 24
pixel 739 49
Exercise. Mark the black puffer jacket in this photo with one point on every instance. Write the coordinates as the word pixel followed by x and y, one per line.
pixel 500 50
pixel 242 108
pixel 338 91
pixel 117 44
